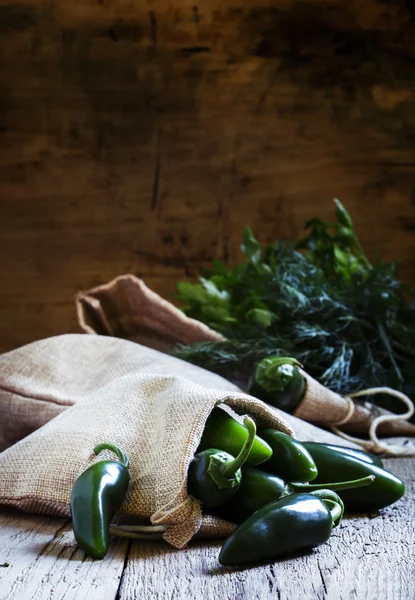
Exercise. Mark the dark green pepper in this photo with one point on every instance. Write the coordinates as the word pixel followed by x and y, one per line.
pixel 214 475
pixel 333 465
pixel 359 454
pixel 295 522
pixel 96 495
pixel 290 459
pixel 224 432
pixel 257 488
pixel 278 381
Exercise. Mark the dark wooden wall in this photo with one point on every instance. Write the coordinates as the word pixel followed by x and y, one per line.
pixel 140 136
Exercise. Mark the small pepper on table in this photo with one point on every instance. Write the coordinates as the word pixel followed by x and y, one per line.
pixel 341 465
pixel 96 496
pixel 295 522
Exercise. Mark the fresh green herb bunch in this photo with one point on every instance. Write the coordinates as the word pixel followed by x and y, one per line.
pixel 320 301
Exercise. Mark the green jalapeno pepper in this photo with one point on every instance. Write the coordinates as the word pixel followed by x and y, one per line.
pixel 333 465
pixel 224 432
pixel 96 495
pixel 214 475
pixel 278 381
pixel 295 522
pixel 359 454
pixel 290 459
pixel 258 488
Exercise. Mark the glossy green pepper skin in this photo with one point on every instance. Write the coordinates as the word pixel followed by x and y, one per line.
pixel 290 460
pixel 225 433
pixel 338 466
pixel 96 495
pixel 202 486
pixel 371 459
pixel 292 523
pixel 257 489
pixel 278 381
pixel 215 475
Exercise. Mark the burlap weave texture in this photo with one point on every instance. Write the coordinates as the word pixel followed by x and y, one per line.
pixel 107 389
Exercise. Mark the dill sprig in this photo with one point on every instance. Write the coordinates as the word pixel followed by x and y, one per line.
pixel 318 300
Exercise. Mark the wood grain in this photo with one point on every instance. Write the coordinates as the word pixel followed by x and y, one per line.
pixel 367 557
pixel 142 137
pixel 39 559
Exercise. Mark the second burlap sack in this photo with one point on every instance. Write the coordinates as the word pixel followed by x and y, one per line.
pixel 125 307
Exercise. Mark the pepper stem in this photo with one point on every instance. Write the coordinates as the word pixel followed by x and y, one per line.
pixel 281 375
pixel 120 454
pixel 338 485
pixel 224 469
pixel 335 511
pixel 274 373
pixel 273 369
pixel 333 502
pixel 231 467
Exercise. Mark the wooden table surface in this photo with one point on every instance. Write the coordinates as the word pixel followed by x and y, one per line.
pixel 370 557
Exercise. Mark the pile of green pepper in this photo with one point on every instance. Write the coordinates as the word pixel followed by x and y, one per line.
pixel 285 496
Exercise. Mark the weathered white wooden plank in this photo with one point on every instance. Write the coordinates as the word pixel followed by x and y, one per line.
pixel 367 558
pixel 39 560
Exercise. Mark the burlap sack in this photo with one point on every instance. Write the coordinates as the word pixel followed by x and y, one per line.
pixel 323 406
pixel 95 389
pixel 125 307
pixel 91 389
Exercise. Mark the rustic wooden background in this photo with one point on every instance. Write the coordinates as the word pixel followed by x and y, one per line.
pixel 140 136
